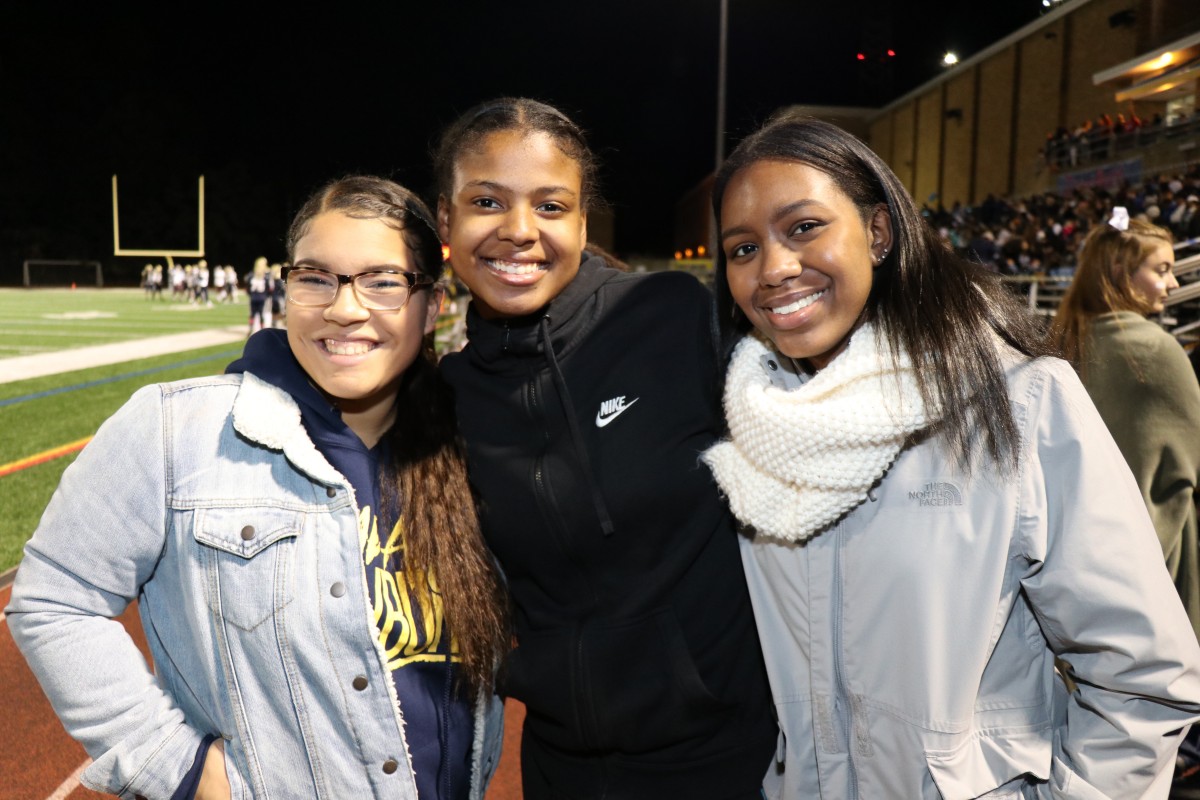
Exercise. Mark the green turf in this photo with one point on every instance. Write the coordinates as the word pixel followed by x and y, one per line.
pixel 41 320
pixel 31 426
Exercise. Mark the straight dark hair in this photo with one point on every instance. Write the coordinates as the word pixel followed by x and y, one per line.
pixel 427 477
pixel 942 311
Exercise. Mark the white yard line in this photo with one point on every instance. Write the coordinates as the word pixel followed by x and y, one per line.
pixel 42 364
pixel 70 784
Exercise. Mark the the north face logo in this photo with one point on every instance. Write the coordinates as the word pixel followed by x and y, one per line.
pixel 937 493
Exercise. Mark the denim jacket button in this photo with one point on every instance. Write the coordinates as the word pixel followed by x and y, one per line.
pixel 248 532
pixel 390 766
pixel 359 683
pixel 338 589
pixel 330 491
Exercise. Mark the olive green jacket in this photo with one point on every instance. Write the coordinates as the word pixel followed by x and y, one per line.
pixel 1143 385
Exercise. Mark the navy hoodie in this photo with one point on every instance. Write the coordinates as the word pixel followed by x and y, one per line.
pixel 439 724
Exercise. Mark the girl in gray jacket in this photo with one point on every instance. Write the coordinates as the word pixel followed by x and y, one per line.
pixel 936 513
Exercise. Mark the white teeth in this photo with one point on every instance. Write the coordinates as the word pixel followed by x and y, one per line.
pixel 513 267
pixel 803 302
pixel 338 348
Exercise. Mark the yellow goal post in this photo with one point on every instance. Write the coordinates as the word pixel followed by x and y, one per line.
pixel 169 255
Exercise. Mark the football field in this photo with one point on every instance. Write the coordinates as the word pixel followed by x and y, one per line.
pixel 36 321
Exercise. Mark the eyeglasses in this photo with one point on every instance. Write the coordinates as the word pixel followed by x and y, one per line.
pixel 377 289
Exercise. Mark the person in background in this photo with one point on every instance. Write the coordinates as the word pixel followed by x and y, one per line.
pixel 278 297
pixel 301 539
pixel 935 512
pixel 203 276
pixel 218 282
pixel 585 395
pixel 1140 379
pixel 258 285
pixel 231 284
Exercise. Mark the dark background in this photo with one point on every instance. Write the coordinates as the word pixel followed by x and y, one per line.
pixel 268 104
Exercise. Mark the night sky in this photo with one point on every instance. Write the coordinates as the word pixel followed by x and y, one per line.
pixel 269 105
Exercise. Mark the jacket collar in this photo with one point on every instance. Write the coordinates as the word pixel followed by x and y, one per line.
pixel 268 416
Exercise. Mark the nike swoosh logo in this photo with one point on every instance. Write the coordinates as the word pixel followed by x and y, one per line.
pixel 602 420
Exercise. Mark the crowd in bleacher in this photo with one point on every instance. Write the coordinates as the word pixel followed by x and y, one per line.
pixel 1107 136
pixel 1041 234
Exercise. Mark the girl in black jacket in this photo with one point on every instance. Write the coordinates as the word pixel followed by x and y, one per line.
pixel 585 396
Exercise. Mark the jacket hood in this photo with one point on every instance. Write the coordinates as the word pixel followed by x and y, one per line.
pixel 570 315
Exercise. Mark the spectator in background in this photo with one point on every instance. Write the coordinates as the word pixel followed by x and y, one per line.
pixel 1140 379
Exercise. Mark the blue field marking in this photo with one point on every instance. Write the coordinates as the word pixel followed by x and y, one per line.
pixel 87 385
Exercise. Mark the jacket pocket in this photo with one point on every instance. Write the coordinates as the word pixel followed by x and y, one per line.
pixel 991 766
pixel 646 691
pixel 631 687
pixel 248 555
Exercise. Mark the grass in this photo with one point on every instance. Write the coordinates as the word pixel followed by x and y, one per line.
pixel 43 320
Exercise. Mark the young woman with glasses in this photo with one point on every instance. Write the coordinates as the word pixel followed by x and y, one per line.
pixel 301 540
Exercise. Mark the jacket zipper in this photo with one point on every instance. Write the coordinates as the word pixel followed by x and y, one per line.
pixel 583 705
pixel 843 693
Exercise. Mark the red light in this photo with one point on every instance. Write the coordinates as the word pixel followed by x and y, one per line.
pixel 861 57
pixel 891 52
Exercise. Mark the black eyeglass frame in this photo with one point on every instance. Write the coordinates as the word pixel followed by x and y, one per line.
pixel 416 281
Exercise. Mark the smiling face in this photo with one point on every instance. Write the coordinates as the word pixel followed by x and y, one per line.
pixel 1153 279
pixel 356 356
pixel 515 222
pixel 800 259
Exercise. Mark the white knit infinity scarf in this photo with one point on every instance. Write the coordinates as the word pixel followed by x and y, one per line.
pixel 800 459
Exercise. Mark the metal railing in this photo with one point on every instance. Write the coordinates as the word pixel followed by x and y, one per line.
pixel 1105 144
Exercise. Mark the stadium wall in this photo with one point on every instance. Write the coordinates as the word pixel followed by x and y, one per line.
pixel 980 128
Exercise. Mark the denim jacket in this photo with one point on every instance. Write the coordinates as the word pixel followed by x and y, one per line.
pixel 207 502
